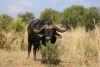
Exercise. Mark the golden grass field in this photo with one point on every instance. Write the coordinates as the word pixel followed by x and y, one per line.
pixel 78 49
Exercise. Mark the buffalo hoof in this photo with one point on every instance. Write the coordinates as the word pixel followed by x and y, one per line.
pixel 34 59
pixel 43 62
pixel 27 57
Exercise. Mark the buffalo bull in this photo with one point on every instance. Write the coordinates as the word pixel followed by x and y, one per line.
pixel 41 31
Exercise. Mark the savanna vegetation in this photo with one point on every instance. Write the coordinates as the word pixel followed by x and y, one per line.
pixel 79 47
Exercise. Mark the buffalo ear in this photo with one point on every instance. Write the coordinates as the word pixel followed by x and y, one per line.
pixel 40 35
pixel 37 31
pixel 58 36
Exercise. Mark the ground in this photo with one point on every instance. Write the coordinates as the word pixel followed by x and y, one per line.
pixel 18 59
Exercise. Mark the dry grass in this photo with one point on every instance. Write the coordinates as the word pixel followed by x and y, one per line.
pixel 18 59
pixel 78 49
pixel 81 48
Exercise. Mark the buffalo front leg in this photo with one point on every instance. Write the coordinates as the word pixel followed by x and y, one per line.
pixel 34 52
pixel 29 50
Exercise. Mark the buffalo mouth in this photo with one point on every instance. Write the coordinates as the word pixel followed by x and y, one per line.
pixel 48 38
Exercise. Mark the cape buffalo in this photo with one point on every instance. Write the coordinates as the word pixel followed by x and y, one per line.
pixel 41 31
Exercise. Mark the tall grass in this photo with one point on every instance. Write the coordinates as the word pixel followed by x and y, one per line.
pixel 13 41
pixel 77 47
pixel 82 49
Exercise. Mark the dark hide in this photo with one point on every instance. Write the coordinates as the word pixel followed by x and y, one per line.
pixel 46 29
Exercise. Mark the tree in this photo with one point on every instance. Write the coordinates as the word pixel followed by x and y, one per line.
pixel 92 13
pixel 75 15
pixel 19 26
pixel 26 17
pixel 5 21
pixel 50 14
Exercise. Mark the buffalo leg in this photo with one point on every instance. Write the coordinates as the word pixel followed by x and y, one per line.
pixel 29 50
pixel 34 52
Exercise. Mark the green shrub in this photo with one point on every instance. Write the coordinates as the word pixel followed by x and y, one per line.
pixel 19 26
pixel 50 53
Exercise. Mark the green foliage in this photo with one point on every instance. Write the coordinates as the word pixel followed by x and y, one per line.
pixel 50 53
pixel 19 26
pixel 78 15
pixel 89 26
pixel 50 14
pixel 75 15
pixel 93 13
pixel 5 27
pixel 5 21
pixel 10 30
pixel 26 17
pixel 90 14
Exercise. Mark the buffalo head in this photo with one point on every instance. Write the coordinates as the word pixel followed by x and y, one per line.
pixel 49 31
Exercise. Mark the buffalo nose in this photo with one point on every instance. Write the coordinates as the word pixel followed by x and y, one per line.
pixel 47 38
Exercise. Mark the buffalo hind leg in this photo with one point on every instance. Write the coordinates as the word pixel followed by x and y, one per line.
pixel 29 50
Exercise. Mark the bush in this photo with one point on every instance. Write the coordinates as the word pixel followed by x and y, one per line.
pixel 5 22
pixel 50 53
pixel 19 26
pixel 12 34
